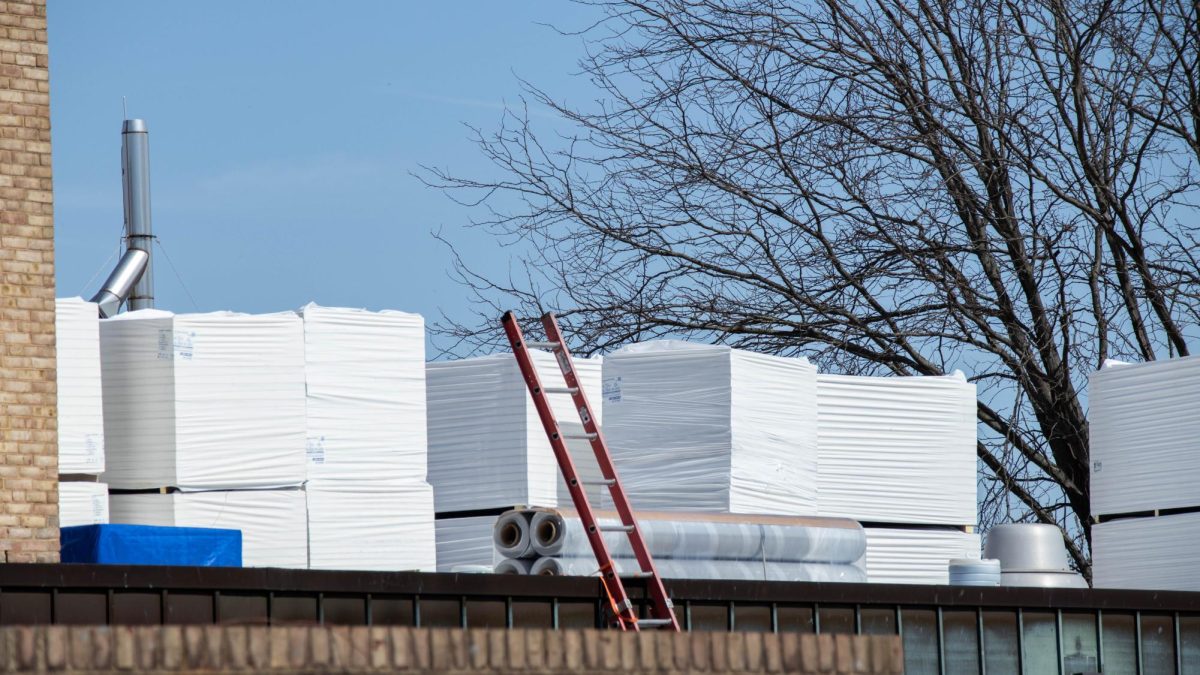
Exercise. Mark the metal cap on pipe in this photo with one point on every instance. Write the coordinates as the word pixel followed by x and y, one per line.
pixel 134 127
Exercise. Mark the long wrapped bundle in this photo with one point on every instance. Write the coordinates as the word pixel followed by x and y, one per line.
pixel 681 536
pixel 1148 553
pixel 708 428
pixel 739 570
pixel 916 556
pixel 375 526
pixel 464 541
pixel 82 503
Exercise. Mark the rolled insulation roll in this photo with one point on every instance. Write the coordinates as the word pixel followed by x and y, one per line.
pixel 514 566
pixel 708 537
pixel 735 570
pixel 511 535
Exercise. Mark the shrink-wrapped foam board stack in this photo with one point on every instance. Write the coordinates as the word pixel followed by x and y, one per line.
pixel 272 521
pixel 487 447
pixel 1145 459
pixel 901 450
pixel 82 503
pixel 369 505
pixel 80 407
pixel 712 429
pixel 81 500
pixel 488 450
pixel 212 405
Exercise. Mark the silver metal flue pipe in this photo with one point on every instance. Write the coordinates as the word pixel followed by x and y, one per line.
pixel 120 283
pixel 135 179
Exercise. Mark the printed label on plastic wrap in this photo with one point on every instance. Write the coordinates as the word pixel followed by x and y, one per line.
pixel 175 344
pixel 93 447
pixel 315 449
pixel 610 389
pixel 99 506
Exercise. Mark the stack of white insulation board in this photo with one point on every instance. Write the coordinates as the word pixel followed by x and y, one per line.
pixel 916 555
pixel 712 429
pixel 82 503
pixel 465 541
pixel 203 401
pixel 1143 439
pixel 272 522
pixel 80 407
pixel 1148 553
pixel 212 405
pixel 487 447
pixel 897 449
pixel 369 506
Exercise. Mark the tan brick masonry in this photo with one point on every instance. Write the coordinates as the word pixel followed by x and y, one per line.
pixel 28 416
pixel 344 649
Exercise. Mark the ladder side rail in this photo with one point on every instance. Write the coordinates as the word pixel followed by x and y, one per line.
pixel 662 607
pixel 627 617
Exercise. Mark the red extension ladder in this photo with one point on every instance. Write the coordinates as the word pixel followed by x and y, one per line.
pixel 662 613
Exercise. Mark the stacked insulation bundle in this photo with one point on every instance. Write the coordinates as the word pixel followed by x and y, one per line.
pixel 81 499
pixel 687 546
pixel 1143 428
pixel 198 405
pixel 899 455
pixel 369 506
pixel 705 428
pixel 488 451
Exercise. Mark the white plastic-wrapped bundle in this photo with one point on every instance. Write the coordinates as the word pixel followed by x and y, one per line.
pixel 1143 429
pixel 272 521
pixel 463 542
pixel 916 556
pixel 1148 553
pixel 897 449
pixel 487 446
pixel 80 407
pixel 371 527
pixel 365 375
pixel 739 570
pixel 708 537
pixel 203 401
pixel 708 428
pixel 82 503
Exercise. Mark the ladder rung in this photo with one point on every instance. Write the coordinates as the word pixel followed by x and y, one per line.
pixel 609 482
pixel 561 390
pixel 616 528
pixel 580 437
pixel 553 346
pixel 653 623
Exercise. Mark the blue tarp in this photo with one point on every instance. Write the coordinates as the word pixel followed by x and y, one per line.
pixel 152 545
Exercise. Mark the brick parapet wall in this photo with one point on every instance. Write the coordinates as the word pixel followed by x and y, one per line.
pixel 315 649
pixel 28 428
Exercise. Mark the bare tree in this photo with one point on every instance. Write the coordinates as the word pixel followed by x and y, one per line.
pixel 893 187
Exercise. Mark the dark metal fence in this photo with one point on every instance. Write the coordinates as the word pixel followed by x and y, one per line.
pixel 949 630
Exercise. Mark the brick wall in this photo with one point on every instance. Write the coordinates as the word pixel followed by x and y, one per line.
pixel 345 649
pixel 28 431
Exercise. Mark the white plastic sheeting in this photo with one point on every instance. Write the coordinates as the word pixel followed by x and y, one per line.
pixel 897 449
pixel 82 503
pixel 1143 430
pixel 203 401
pixel 916 556
pixel 708 428
pixel 371 527
pixel 463 542
pixel 272 521
pixel 738 570
pixel 1148 553
pixel 708 537
pixel 365 375
pixel 487 446
pixel 80 407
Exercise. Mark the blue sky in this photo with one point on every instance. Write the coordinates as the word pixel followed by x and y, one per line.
pixel 283 136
